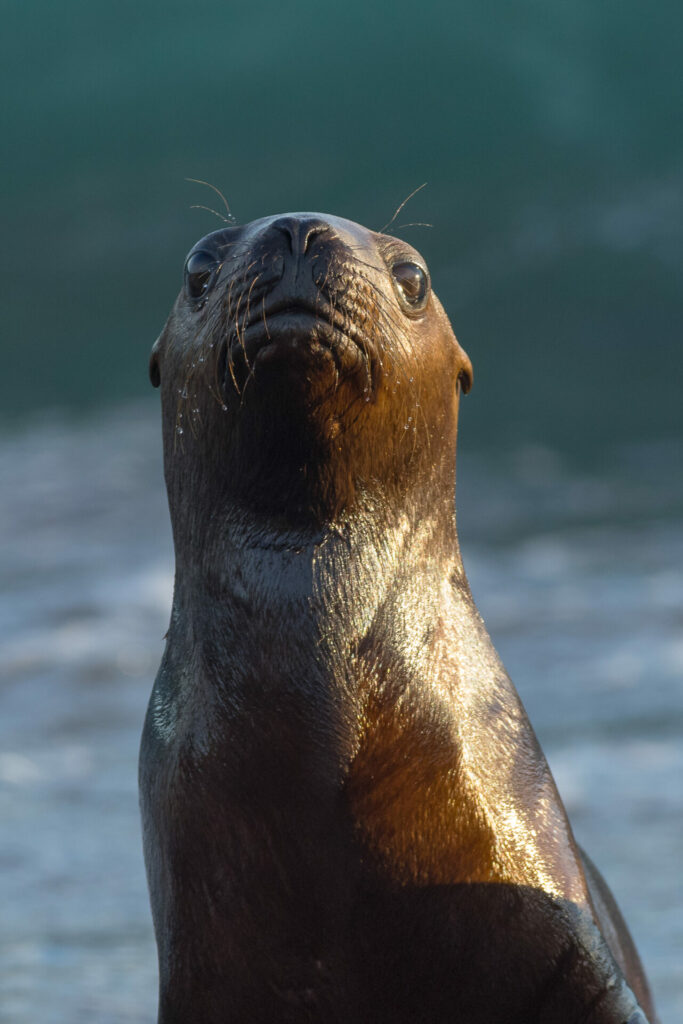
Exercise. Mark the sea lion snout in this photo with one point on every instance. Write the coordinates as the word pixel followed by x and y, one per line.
pixel 289 295
pixel 300 229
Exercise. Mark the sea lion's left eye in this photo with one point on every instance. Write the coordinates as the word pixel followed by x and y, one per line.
pixel 198 270
pixel 411 286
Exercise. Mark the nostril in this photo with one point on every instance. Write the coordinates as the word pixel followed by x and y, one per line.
pixel 301 231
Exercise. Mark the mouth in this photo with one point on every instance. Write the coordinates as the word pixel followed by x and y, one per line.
pixel 287 329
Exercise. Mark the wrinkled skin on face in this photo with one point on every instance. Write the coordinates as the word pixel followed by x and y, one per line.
pixel 277 376
pixel 346 814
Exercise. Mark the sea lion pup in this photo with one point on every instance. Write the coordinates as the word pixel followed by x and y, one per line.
pixel 347 817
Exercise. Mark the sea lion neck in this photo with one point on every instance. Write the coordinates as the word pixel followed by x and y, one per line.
pixel 285 504
pixel 282 554
pixel 296 619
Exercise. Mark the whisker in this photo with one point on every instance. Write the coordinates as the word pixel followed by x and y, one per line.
pixel 237 328
pixel 245 321
pixel 209 209
pixel 399 208
pixel 218 192
pixel 265 322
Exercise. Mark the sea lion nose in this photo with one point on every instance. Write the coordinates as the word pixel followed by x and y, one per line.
pixel 301 230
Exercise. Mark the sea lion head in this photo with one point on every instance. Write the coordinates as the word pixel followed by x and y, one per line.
pixel 306 361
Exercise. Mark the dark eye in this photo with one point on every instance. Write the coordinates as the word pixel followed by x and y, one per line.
pixel 198 270
pixel 411 285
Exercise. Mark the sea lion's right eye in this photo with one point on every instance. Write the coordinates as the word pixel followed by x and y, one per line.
pixel 198 271
pixel 412 286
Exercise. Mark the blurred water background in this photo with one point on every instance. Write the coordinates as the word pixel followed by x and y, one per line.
pixel 550 138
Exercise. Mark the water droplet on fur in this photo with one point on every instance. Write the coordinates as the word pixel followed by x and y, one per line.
pixel 411 379
pixel 179 430
pixel 410 419
pixel 224 408
pixel 201 359
pixel 405 426
pixel 183 393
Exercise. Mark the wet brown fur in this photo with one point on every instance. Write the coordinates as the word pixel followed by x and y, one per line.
pixel 347 816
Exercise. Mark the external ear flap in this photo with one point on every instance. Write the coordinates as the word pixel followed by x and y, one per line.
pixel 154 372
pixel 466 375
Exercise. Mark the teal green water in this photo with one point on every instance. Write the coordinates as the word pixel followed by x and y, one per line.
pixel 549 133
